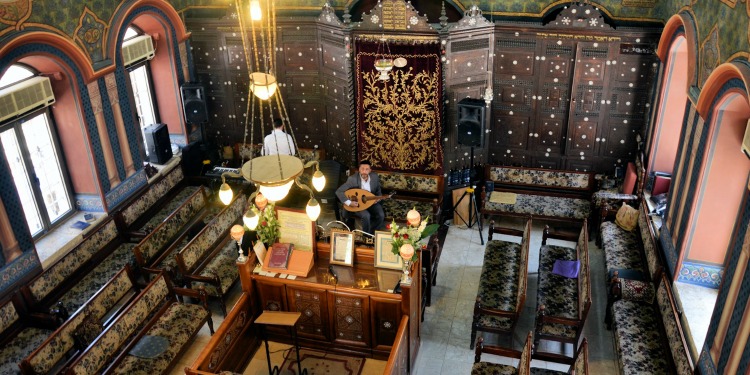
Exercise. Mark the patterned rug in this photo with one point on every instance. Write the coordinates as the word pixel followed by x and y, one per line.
pixel 318 363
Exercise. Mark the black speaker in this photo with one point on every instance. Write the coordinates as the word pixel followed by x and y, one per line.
pixel 471 122
pixel 157 141
pixel 194 103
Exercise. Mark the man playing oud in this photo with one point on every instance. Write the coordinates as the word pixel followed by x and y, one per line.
pixel 372 218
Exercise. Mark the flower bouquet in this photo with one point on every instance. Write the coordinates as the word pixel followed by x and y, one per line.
pixel 406 239
pixel 268 225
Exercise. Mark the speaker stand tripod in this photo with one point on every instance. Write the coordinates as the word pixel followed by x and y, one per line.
pixel 473 211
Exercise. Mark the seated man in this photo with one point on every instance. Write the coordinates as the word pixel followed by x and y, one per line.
pixel 278 142
pixel 372 218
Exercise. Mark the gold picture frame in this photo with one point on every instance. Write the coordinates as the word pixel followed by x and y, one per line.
pixel 342 247
pixel 384 257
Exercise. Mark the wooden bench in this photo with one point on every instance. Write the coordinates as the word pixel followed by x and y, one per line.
pixel 21 331
pixel 66 342
pixel 502 284
pixel 419 191
pixel 68 283
pixel 208 261
pixel 562 303
pixel 579 364
pixel 541 193
pixel 648 334
pixel 154 312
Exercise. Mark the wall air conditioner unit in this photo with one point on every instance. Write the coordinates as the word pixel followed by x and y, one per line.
pixel 137 49
pixel 746 140
pixel 24 97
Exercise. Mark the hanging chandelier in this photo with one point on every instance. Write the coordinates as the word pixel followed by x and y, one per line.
pixel 273 175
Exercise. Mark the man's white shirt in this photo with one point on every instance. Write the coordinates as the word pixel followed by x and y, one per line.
pixel 278 142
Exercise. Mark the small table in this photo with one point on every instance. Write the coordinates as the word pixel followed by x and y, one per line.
pixel 284 319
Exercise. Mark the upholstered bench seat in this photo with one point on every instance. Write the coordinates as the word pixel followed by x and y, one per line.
pixel 21 346
pixel 170 206
pixel 224 267
pixel 542 206
pixel 486 368
pixel 558 294
pixel 100 275
pixel 602 197
pixel 397 208
pixel 498 287
pixel 622 249
pixel 639 339
pixel 178 324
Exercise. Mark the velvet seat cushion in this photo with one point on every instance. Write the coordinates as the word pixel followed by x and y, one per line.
pixel 638 339
pixel 224 267
pixel 486 368
pixel 20 347
pixel 178 325
pixel 542 205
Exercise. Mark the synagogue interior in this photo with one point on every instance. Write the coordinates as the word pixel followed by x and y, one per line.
pixel 374 187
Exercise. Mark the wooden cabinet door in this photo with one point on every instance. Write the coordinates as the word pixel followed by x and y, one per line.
pixel 313 305
pixel 272 296
pixel 350 318
pixel 385 317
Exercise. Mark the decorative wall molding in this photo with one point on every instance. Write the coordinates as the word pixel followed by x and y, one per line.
pixel 125 189
pixel 708 275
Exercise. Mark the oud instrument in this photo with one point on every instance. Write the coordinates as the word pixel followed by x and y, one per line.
pixel 365 199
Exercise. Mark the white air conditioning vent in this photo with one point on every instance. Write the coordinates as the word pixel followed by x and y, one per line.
pixel 746 140
pixel 24 97
pixel 137 49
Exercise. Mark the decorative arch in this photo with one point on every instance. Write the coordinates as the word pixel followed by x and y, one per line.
pixel 64 45
pixel 682 23
pixel 717 83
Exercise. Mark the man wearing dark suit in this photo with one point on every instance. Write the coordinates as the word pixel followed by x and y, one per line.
pixel 372 218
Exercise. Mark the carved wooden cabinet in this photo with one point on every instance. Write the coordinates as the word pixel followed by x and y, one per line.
pixel 313 304
pixel 351 319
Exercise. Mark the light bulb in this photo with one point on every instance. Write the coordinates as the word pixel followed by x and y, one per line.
pixel 276 193
pixel 250 219
pixel 319 180
pixel 225 193
pixel 255 12
pixel 313 209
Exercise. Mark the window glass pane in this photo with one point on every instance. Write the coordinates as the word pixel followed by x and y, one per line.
pixel 143 101
pixel 47 166
pixel 130 33
pixel 18 170
pixel 14 74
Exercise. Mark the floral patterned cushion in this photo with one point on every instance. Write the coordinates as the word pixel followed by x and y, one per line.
pixel 541 178
pixel 178 324
pixel 415 183
pixel 100 275
pixel 19 347
pixel 638 339
pixel 224 266
pixel 604 197
pixel 542 205
pixel 397 208
pixel 558 330
pixel 495 322
pixel 673 330
pixel 486 368
pixel 559 294
pixel 498 285
pixel 635 290
pixel 544 371
pixel 133 211
pixel 8 315
pixel 170 207
pixel 621 248
pixel 649 247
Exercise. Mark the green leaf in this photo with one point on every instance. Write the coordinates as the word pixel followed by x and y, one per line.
pixel 429 231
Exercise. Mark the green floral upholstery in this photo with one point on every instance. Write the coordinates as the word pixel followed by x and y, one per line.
pixel 673 329
pixel 8 315
pixel 159 189
pixel 409 182
pixel 164 234
pixel 97 277
pixel 106 347
pixel 178 325
pixel 486 368
pixel 605 197
pixel 397 208
pixel 542 206
pixel 71 262
pixel 649 247
pixel 62 340
pixel 194 252
pixel 540 177
pixel 19 347
pixel 224 267
pixel 638 339
pixel 558 293
pixel 498 285
pixel 170 207
pixel 622 249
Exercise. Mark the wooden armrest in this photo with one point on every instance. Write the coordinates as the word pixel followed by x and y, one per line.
pixel 203 279
pixel 193 293
pixel 552 357
pixel 558 235
pixel 500 351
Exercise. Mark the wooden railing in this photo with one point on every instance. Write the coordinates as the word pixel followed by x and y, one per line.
pixel 398 361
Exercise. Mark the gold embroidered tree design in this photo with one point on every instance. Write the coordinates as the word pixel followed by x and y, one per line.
pixel 401 120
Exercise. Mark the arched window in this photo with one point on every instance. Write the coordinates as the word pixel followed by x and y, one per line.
pixel 36 163
pixel 143 94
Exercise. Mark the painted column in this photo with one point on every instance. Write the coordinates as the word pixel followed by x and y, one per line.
pixel 122 136
pixel 109 159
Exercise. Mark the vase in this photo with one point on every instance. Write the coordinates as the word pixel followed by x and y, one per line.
pixel 406 279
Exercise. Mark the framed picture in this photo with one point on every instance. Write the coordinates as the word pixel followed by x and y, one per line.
pixel 296 228
pixel 342 247
pixel 384 256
